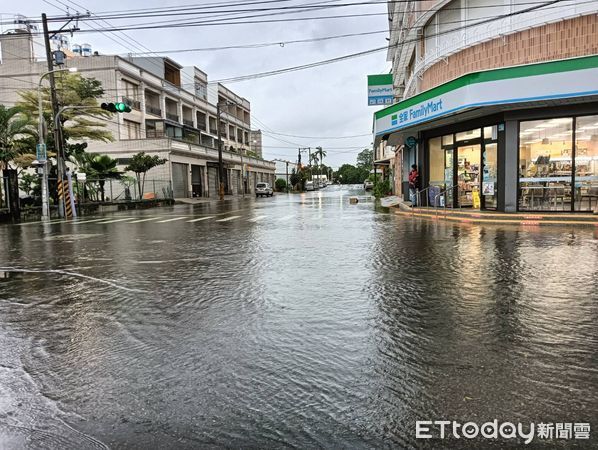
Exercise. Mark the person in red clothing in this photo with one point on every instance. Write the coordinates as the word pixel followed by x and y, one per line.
pixel 413 184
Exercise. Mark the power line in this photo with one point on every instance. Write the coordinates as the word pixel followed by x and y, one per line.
pixel 281 43
pixel 375 50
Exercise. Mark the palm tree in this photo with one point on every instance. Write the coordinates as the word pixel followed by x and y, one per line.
pixel 322 153
pixel 15 128
pixel 102 167
pixel 313 158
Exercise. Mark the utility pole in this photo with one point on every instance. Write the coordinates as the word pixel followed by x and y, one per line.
pixel 57 140
pixel 220 163
pixel 287 176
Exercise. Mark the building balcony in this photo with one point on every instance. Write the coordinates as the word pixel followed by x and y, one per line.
pixel 173 117
pixel 153 110
pixel 188 122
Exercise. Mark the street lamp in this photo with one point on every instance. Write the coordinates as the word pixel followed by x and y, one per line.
pixel 42 152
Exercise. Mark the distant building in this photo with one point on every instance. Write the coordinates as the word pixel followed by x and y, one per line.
pixel 255 142
pixel 173 114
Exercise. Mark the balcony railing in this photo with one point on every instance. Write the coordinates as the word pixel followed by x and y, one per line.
pixel 153 110
pixel 188 122
pixel 135 104
pixel 173 117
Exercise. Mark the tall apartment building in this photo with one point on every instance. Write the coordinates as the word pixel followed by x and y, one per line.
pixel 495 101
pixel 173 115
pixel 255 142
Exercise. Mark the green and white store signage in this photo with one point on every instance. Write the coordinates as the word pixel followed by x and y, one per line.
pixel 535 82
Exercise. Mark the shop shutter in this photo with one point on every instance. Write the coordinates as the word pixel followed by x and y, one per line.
pixel 180 180
pixel 213 182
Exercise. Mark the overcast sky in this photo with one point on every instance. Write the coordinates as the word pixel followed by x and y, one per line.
pixel 326 101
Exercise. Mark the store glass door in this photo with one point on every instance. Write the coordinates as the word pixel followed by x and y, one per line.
pixel 468 176
pixel 489 175
pixel 449 180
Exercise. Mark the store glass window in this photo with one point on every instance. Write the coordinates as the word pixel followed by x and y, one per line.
pixel 436 163
pixel 447 140
pixel 491 132
pixel 545 164
pixel 586 163
pixel 467 135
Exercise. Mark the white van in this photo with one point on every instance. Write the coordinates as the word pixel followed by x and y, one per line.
pixel 309 186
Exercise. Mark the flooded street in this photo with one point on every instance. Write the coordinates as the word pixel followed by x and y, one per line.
pixel 299 321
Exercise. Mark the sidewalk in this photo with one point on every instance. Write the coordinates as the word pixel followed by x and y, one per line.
pixel 203 200
pixel 490 217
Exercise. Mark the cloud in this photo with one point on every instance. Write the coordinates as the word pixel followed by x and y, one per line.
pixel 325 101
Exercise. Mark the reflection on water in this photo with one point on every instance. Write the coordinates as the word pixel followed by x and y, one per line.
pixel 339 327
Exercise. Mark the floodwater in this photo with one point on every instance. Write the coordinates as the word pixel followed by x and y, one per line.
pixel 299 321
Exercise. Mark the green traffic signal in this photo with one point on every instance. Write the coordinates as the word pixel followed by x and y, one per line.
pixel 119 107
pixel 122 107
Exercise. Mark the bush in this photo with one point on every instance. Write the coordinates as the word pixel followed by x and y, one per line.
pixel 382 188
pixel 281 185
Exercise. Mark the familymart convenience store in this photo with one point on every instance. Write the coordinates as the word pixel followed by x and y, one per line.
pixel 521 138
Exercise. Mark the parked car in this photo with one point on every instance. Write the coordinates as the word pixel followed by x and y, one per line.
pixel 309 186
pixel 367 185
pixel 262 189
pixel 321 185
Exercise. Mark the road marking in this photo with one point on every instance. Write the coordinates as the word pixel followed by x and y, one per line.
pixel 255 219
pixel 226 219
pixel 200 219
pixel 145 220
pixel 115 220
pixel 282 219
pixel 43 222
pixel 172 220
pixel 76 222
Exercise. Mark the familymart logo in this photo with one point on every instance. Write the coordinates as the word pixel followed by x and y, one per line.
pixel 448 429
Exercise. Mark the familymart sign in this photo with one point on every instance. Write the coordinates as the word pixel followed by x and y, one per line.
pixel 546 81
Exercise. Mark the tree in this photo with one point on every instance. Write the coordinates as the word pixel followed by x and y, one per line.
pixel 30 185
pixel 77 124
pixel 294 178
pixel 140 164
pixel 15 127
pixel 322 153
pixel 280 184
pixel 102 167
pixel 349 174
pixel 365 159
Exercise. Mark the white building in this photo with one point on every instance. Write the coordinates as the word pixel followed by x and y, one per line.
pixel 173 114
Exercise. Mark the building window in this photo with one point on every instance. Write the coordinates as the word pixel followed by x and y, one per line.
pixel 545 164
pixel 132 129
pixel 201 89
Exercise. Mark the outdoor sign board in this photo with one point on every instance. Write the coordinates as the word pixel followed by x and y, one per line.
pixel 380 90
pixel 535 82
pixel 40 152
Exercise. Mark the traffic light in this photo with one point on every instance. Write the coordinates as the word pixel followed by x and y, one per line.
pixel 118 107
